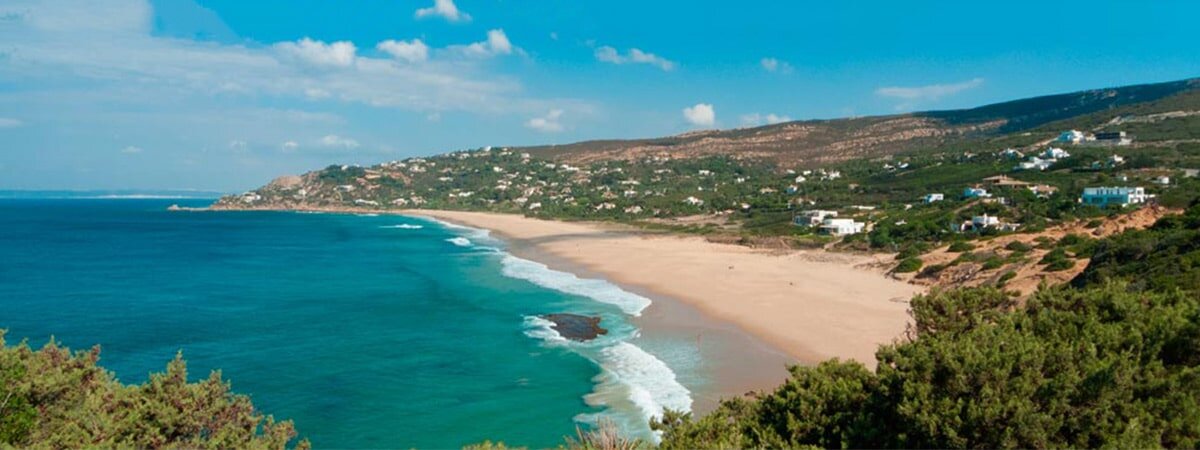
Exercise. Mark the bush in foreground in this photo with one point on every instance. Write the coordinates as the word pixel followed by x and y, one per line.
pixel 1102 367
pixel 54 398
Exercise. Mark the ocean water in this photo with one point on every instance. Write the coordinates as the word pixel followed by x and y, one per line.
pixel 366 330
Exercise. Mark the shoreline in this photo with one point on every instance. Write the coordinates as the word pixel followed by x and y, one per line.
pixel 752 312
pixel 812 305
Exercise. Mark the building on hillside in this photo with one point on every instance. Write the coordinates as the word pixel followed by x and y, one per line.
pixel 693 201
pixel 1113 138
pixel 1055 153
pixel 1104 196
pixel 841 227
pixel 1115 160
pixel 1035 163
pixel 1191 173
pixel 812 217
pixel 1071 137
pixel 1004 181
pixel 1012 153
pixel 976 192
pixel 1042 190
pixel 1163 180
pixel 930 198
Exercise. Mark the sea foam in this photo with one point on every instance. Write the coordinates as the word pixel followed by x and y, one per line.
pixel 403 226
pixel 459 241
pixel 599 290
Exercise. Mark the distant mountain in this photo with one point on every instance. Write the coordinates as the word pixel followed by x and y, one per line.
pixel 825 141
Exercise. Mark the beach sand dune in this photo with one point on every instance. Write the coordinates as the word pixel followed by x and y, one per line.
pixel 811 304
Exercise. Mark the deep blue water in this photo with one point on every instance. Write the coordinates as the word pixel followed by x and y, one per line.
pixel 380 331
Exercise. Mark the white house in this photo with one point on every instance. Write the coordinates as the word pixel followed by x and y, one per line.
pixel 693 201
pixel 1055 153
pixel 1163 180
pixel 812 217
pixel 841 227
pixel 1035 163
pixel 1071 136
pixel 1104 196
pixel 976 192
pixel 985 221
pixel 930 198
pixel 1115 160
pixel 1012 153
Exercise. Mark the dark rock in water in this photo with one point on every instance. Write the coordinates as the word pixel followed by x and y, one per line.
pixel 576 327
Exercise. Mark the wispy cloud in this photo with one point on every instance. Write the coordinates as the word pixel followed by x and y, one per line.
pixel 701 114
pixel 756 119
pixel 412 51
pixel 339 54
pixel 548 123
pixel 633 56
pixel 73 40
pixel 775 66
pixel 497 43
pixel 916 94
pixel 6 122
pixel 335 141
pixel 131 150
pixel 445 9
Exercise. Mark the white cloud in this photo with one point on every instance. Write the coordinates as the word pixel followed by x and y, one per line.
pixel 445 9
pixel 702 114
pixel 289 146
pixel 756 119
pixel 412 51
pixel 548 123
pixel 131 150
pixel 497 43
pixel 335 141
pixel 6 122
pixel 930 92
pixel 338 54
pixel 633 56
pixel 40 46
pixel 775 65
pixel 238 145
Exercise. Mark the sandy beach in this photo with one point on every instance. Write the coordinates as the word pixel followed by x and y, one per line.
pixel 812 305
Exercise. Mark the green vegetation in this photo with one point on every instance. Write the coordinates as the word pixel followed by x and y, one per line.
pixel 53 398
pixel 1164 257
pixel 960 246
pixel 911 264
pixel 1097 364
pixel 979 372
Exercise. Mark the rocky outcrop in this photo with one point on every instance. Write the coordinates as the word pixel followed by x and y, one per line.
pixel 576 327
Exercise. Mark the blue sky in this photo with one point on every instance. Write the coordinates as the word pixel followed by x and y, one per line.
pixel 226 94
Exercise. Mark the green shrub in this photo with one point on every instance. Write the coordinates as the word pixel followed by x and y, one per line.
pixel 1004 279
pixel 1060 265
pixel 993 263
pixel 960 246
pixel 1018 247
pixel 978 372
pixel 53 398
pixel 1054 255
pixel 908 265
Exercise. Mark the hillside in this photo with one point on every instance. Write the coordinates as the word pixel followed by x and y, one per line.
pixel 824 141
pixel 752 197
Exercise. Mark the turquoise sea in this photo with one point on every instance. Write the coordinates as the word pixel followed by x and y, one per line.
pixel 367 331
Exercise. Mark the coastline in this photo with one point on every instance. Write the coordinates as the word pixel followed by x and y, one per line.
pixel 812 305
pixel 750 312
